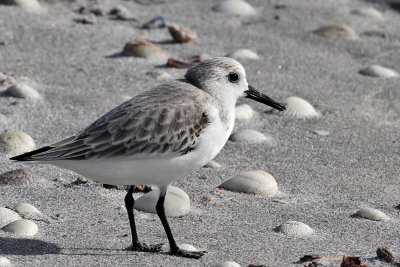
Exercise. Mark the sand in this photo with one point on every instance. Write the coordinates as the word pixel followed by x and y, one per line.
pixel 324 180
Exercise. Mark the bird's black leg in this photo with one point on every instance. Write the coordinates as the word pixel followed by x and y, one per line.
pixel 136 245
pixel 175 250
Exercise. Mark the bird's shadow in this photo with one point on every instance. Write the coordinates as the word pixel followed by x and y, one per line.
pixel 26 246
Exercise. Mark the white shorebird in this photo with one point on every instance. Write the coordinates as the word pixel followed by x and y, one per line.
pixel 158 136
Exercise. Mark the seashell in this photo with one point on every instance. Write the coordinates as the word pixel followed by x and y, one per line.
pixel 368 12
pixel 159 75
pixel 21 227
pixel 321 132
pixel 157 22
pixel 27 210
pixel 372 214
pixel 187 247
pixel 251 137
pixel 121 13
pixel 22 90
pixel 226 264
pixel 244 112
pixel 379 71
pixel 336 30
pixel 16 143
pixel 174 63
pixel 181 35
pixel 177 202
pixel 234 7
pixel 299 108
pixel 144 49
pixel 4 262
pixel 212 164
pixel 7 216
pixel 297 229
pixel 253 182
pixel 31 6
pixel 243 54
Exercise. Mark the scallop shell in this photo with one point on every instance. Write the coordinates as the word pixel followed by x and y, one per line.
pixel 251 136
pixel 379 71
pixel 21 227
pixel 244 112
pixel 297 229
pixel 253 182
pixel 4 262
pixel 22 90
pixel 180 34
pixel 299 108
pixel 243 54
pixel 177 202
pixel 144 49
pixel 16 143
pixel 234 7
pixel 7 216
pixel 336 30
pixel 372 214
pixel 27 210
pixel 226 264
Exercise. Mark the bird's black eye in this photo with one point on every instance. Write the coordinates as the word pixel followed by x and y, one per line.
pixel 233 77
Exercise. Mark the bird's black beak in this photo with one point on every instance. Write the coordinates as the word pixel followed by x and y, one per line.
pixel 252 93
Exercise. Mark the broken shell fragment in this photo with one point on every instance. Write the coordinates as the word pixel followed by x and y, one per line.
pixel 143 49
pixel 336 30
pixel 180 34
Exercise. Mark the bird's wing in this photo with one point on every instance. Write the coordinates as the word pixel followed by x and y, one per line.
pixel 161 123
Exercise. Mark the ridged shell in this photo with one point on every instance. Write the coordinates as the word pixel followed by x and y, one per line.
pixel 294 228
pixel 27 209
pixel 250 136
pixel 16 143
pixel 253 182
pixel 379 71
pixel 226 264
pixel 234 7
pixel 7 216
pixel 177 202
pixel 297 107
pixel 336 30
pixel 372 214
pixel 21 227
pixel 144 49
pixel 244 112
pixel 4 262
pixel 22 90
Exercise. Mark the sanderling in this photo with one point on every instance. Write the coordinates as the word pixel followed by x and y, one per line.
pixel 158 136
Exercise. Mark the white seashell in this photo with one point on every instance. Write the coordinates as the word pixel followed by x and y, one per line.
pixel 251 136
pixel 27 210
pixel 253 182
pixel 379 71
pixel 234 7
pixel 187 247
pixel 29 5
pixel 243 54
pixel 144 49
pixel 372 214
pixel 336 30
pixel 22 90
pixel 226 264
pixel 159 75
pixel 21 227
pixel 177 202
pixel 7 216
pixel 16 143
pixel 368 12
pixel 299 108
pixel 4 262
pixel 212 164
pixel 294 228
pixel 244 112
pixel 321 132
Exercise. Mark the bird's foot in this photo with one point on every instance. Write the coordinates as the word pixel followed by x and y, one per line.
pixel 188 254
pixel 142 247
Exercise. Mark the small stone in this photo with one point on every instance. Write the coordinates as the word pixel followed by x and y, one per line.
pixel 4 262
pixel 155 23
pixel 244 112
pixel 121 13
pixel 251 136
pixel 379 71
pixel 143 49
pixel 89 19
pixel 234 7
pixel 212 164
pixel 180 34
pixel 22 90
pixel 14 143
pixel 243 54
pixel 336 30
pixel 21 228
pixel 159 75
pixel 321 132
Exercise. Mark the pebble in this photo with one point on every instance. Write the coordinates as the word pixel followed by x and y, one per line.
pixel 243 54
pixel 234 7
pixel 155 23
pixel 4 262
pixel 21 228
pixel 253 182
pixel 297 107
pixel 226 264
pixel 379 71
pixel 336 30
pixel 296 229
pixel 180 34
pixel 14 143
pixel 251 137
pixel 121 13
pixel 368 12
pixel 244 112
pixel 372 214
pixel 144 49
pixel 22 90
pixel 89 19
pixel 177 202
pixel 212 164
pixel 28 210
pixel 321 132
pixel 7 216
pixel 159 75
